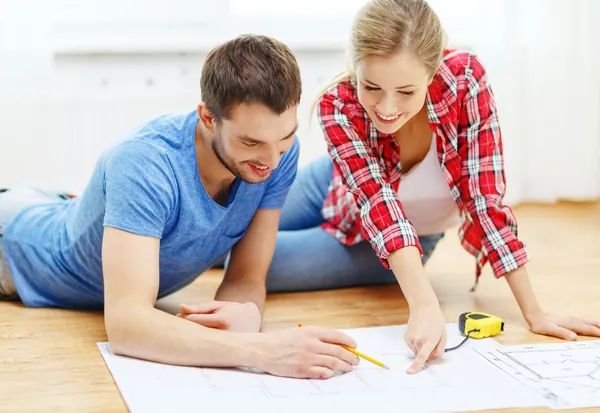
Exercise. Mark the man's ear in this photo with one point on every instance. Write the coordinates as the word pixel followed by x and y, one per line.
pixel 206 117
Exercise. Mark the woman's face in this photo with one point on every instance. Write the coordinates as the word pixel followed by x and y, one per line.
pixel 391 89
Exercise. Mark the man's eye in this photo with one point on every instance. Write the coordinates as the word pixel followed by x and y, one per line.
pixel 249 143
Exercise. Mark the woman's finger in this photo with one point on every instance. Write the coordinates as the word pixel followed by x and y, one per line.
pixel 422 357
pixel 555 330
pixel 594 323
pixel 585 329
pixel 440 349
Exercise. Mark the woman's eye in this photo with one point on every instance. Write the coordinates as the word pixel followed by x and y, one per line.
pixel 412 92
pixel 370 88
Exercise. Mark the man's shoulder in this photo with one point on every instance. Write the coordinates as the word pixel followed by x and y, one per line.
pixel 138 161
pixel 134 150
pixel 167 131
pixel 166 122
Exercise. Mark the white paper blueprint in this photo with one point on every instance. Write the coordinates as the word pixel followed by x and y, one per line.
pixel 461 381
pixel 566 374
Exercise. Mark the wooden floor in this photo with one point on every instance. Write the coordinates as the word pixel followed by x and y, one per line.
pixel 49 360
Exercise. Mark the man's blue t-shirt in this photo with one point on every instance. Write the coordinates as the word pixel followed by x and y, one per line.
pixel 147 184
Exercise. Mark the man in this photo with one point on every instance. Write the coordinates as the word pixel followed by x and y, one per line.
pixel 162 206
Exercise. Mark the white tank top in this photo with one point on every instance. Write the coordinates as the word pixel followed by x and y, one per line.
pixel 426 198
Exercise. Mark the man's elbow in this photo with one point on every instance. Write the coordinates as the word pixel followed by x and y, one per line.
pixel 117 337
pixel 121 333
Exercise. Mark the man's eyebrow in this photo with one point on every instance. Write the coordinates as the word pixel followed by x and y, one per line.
pixel 292 133
pixel 249 139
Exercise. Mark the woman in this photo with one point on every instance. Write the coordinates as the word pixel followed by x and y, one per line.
pixel 415 147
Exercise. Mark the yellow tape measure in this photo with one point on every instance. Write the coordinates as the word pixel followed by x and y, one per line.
pixel 475 324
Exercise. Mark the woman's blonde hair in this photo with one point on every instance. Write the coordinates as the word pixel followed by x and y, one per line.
pixel 386 27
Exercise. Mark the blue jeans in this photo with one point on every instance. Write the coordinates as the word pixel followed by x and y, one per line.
pixel 308 258
pixel 12 202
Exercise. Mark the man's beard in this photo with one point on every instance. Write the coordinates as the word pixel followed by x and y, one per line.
pixel 226 161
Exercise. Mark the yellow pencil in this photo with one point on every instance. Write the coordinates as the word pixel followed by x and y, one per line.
pixel 364 356
pixel 361 355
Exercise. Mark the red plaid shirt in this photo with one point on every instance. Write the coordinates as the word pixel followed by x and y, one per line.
pixel 362 202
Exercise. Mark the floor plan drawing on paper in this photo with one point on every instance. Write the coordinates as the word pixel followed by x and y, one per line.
pixel 155 387
pixel 567 375
pixel 366 378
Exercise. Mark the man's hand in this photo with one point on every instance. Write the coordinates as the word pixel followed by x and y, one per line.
pixel 224 315
pixel 308 352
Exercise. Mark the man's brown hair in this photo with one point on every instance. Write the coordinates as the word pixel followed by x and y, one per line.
pixel 250 69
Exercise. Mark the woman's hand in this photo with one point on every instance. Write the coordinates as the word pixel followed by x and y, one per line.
pixel 426 330
pixel 425 334
pixel 541 323
pixel 562 327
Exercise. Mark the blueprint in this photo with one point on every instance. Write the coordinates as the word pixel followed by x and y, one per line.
pixel 566 375
pixel 154 387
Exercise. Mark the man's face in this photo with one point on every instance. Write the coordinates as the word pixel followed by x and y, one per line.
pixel 251 141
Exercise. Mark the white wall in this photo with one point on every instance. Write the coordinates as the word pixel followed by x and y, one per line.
pixel 64 97
pixel 75 75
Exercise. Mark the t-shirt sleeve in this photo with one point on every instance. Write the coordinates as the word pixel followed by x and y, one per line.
pixel 140 189
pixel 282 179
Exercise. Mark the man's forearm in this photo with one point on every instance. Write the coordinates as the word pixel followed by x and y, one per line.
pixel 519 283
pixel 242 290
pixel 152 334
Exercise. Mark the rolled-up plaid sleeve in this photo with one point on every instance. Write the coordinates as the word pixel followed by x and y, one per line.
pixel 483 181
pixel 382 218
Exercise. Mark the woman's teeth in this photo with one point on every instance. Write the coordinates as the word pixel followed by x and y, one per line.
pixel 387 117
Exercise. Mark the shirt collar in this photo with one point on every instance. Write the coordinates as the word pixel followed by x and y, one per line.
pixel 441 97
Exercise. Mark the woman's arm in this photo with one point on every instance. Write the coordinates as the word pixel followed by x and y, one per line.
pixel 409 271
pixel 483 182
pixel 382 218
pixel 541 323
pixel 383 221
pixel 519 283
pixel 483 188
